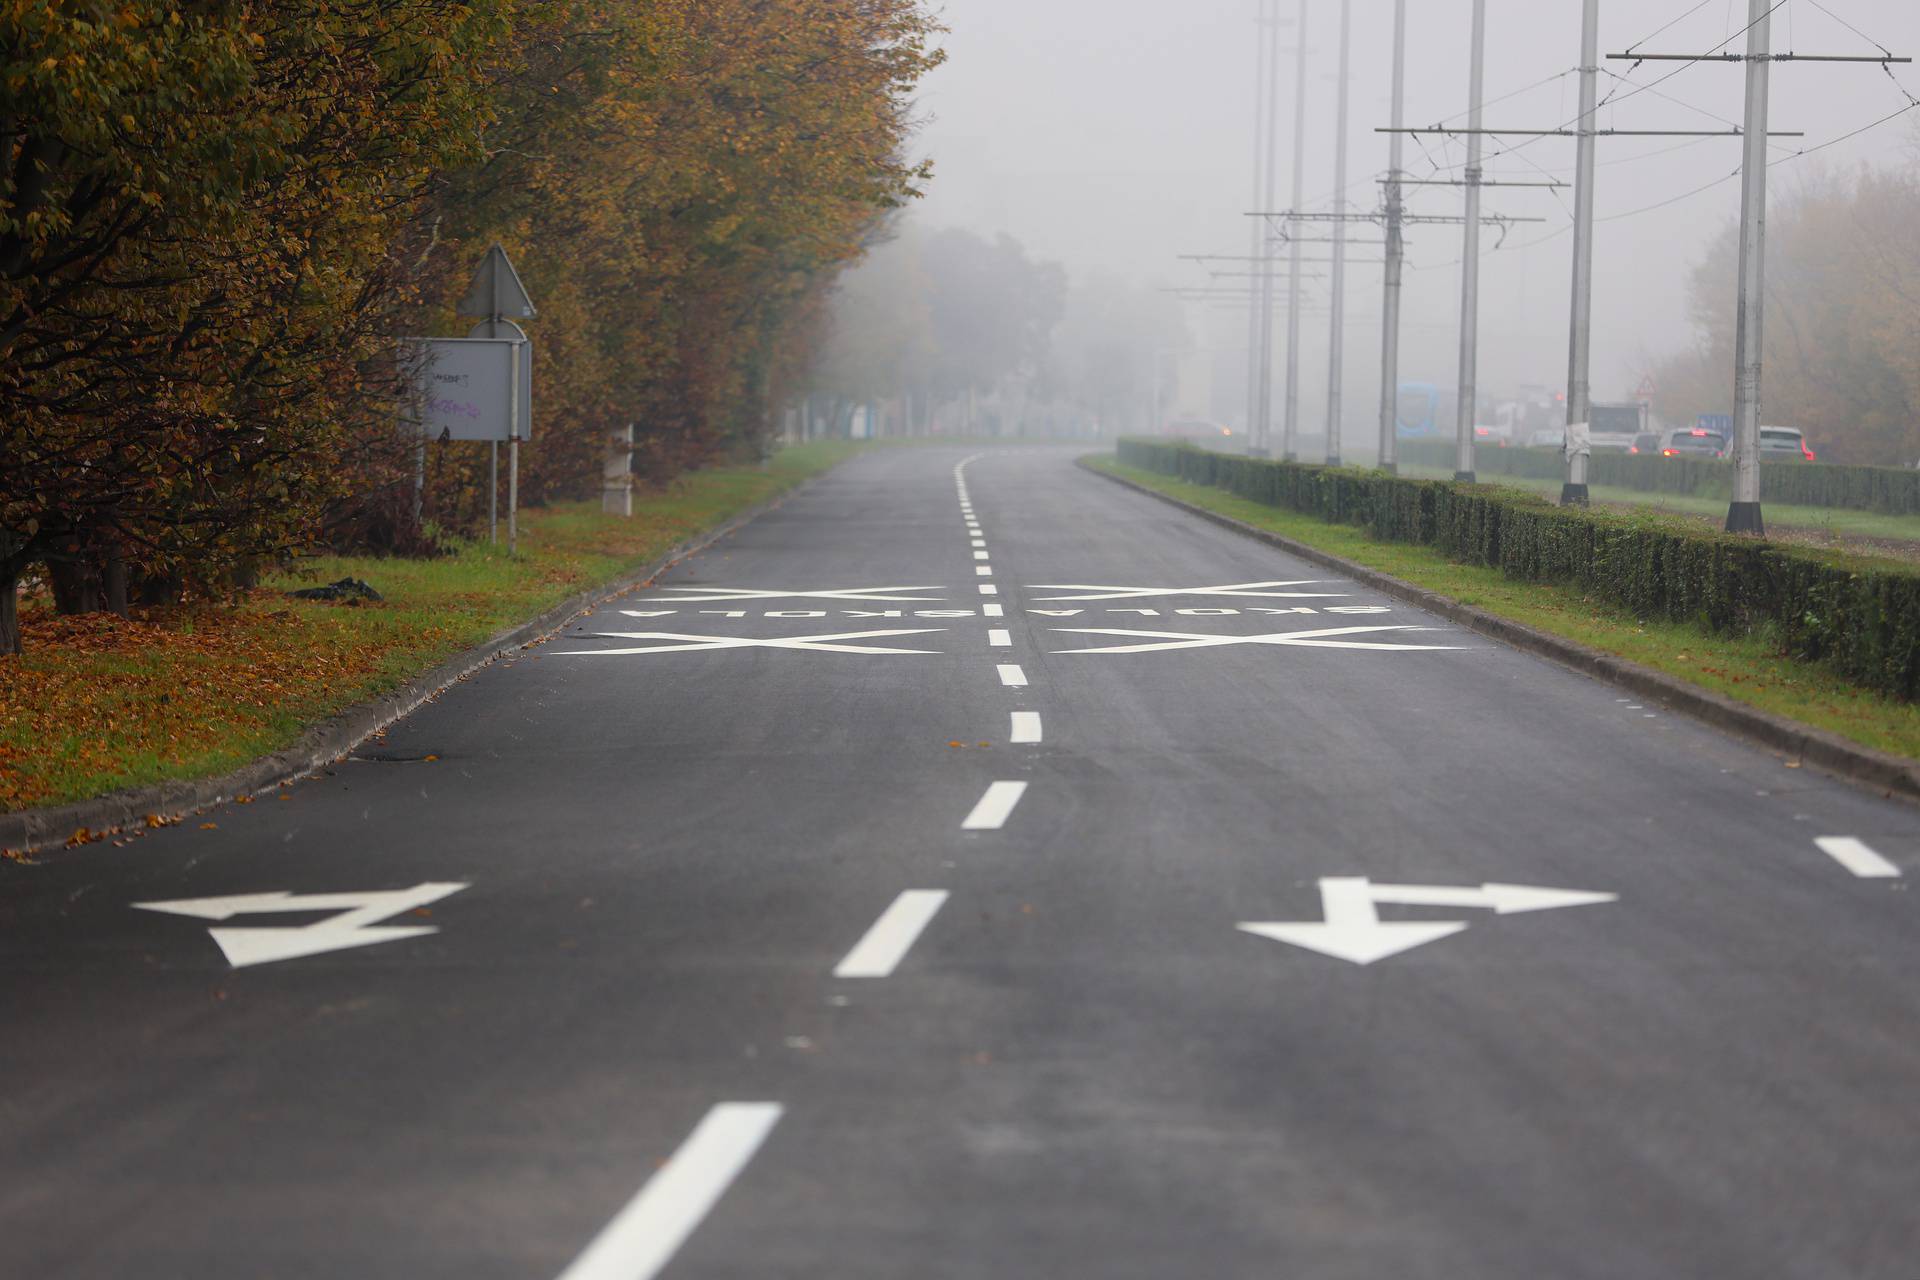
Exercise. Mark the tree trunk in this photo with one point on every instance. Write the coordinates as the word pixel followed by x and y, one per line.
pixel 116 583
pixel 75 583
pixel 9 609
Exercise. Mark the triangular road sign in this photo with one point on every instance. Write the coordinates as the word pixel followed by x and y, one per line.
pixel 496 290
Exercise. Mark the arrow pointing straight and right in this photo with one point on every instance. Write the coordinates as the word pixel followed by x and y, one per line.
pixel 1353 931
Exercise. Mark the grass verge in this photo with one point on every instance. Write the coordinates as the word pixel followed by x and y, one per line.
pixel 96 703
pixel 1744 668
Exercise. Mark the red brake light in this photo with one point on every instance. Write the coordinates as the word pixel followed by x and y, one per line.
pixel 1669 453
pixel 1807 450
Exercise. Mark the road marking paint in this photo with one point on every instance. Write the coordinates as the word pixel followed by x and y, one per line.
pixel 861 595
pixel 1223 589
pixel 892 935
pixel 981 555
pixel 995 807
pixel 1026 727
pixel 999 639
pixel 695 643
pixel 988 589
pixel 1320 639
pixel 644 1236
pixel 356 922
pixel 1012 676
pixel 1856 856
pixel 983 571
pixel 993 611
pixel 979 542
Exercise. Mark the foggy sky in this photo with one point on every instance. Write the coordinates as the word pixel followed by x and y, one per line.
pixel 1112 135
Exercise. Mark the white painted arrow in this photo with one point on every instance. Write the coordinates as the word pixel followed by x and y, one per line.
pixel 750 593
pixel 1323 638
pixel 1353 930
pixel 1264 589
pixel 356 925
pixel 697 643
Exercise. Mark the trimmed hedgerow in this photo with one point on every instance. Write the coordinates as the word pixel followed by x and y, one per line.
pixel 1893 491
pixel 1864 620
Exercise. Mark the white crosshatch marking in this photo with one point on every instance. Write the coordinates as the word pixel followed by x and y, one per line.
pixel 676 642
pixel 1263 589
pixel 1324 638
pixel 839 593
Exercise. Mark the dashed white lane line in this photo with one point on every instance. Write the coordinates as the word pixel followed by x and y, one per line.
pixel 892 935
pixel 1012 676
pixel 1856 856
pixel 981 555
pixel 979 542
pixel 983 571
pixel 644 1236
pixel 993 610
pixel 1026 727
pixel 995 807
pixel 998 639
pixel 988 589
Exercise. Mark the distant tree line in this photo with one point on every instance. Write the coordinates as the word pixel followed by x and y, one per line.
pixel 215 219
pixel 947 331
pixel 1841 356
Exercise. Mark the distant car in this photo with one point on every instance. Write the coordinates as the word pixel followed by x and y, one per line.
pixel 1645 442
pixel 1196 429
pixel 1547 438
pixel 1490 435
pixel 1615 426
pixel 1784 444
pixel 1694 442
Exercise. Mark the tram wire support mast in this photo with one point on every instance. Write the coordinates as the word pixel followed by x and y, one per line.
pixel 1743 512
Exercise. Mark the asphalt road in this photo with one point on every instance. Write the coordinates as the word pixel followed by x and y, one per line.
pixel 695 1005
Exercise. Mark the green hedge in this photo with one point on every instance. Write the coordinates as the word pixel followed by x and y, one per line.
pixel 1864 621
pixel 1893 491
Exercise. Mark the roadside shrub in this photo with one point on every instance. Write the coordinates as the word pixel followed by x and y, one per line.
pixel 1863 620
pixel 1893 491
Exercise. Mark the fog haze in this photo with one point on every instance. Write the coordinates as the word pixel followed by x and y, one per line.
pixel 1113 135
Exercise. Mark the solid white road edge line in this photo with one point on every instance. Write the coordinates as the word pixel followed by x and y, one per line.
pixel 892 935
pixel 998 639
pixel 995 807
pixel 1012 676
pixel 1855 856
pixel 1026 727
pixel 644 1236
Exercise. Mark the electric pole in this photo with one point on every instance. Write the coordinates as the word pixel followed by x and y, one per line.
pixel 1292 425
pixel 1743 514
pixel 1256 441
pixel 1266 249
pixel 1579 366
pixel 1336 358
pixel 1396 254
pixel 1470 261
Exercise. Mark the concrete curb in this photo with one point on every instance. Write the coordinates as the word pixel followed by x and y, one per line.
pixel 329 740
pixel 1891 775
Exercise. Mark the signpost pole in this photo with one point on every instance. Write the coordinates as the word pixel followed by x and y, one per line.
pixel 493 492
pixel 513 453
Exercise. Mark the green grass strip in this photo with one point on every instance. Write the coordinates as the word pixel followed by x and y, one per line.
pixel 1743 668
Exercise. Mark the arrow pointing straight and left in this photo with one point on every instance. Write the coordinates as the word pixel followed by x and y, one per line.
pixel 356 925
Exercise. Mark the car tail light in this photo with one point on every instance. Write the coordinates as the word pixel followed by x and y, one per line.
pixel 1807 450
pixel 1633 448
pixel 1669 453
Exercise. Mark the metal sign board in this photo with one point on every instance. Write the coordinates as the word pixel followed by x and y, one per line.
pixel 461 386
pixel 496 289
